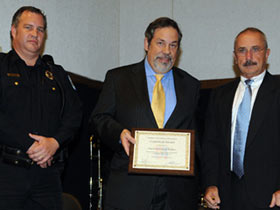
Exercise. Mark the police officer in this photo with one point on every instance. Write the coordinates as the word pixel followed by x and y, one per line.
pixel 39 113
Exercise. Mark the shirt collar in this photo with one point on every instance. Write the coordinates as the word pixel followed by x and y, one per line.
pixel 15 58
pixel 257 80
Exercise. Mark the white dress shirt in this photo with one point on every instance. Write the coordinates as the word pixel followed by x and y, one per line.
pixel 257 81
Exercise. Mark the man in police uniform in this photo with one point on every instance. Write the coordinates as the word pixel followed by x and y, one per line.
pixel 39 114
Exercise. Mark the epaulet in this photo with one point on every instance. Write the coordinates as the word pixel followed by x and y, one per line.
pixel 54 67
pixel 2 55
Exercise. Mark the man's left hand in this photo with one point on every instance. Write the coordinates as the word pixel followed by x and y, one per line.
pixel 275 199
pixel 42 149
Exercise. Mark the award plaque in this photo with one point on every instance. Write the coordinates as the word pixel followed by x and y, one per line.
pixel 162 151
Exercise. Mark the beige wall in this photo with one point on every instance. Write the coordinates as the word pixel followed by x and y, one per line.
pixel 88 37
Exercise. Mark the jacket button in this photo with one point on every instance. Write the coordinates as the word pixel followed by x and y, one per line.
pixel 16 83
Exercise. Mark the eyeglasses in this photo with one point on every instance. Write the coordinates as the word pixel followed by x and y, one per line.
pixel 256 50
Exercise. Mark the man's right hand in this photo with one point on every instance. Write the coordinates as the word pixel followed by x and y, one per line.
pixel 42 149
pixel 212 197
pixel 126 140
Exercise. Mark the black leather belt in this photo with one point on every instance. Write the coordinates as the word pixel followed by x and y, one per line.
pixel 17 157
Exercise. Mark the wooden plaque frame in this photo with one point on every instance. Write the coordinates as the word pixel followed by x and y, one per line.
pixel 187 169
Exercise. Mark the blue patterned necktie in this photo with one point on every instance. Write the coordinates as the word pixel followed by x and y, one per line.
pixel 241 130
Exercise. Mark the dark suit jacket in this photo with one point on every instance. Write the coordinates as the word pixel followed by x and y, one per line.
pixel 124 103
pixel 262 156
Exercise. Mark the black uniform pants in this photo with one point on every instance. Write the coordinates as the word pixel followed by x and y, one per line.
pixel 30 189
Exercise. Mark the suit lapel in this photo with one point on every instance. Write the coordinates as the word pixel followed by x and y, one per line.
pixel 261 106
pixel 138 77
pixel 182 104
pixel 226 109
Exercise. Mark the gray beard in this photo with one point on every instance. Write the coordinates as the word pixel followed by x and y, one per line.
pixel 162 68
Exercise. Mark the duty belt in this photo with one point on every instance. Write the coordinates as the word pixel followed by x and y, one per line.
pixel 17 157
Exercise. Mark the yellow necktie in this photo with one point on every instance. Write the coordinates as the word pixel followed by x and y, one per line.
pixel 158 101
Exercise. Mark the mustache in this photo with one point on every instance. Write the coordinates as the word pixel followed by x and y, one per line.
pixel 250 63
pixel 164 56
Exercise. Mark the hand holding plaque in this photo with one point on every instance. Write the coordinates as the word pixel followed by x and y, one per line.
pixel 162 151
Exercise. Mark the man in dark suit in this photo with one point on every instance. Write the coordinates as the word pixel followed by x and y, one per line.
pixel 241 156
pixel 125 103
